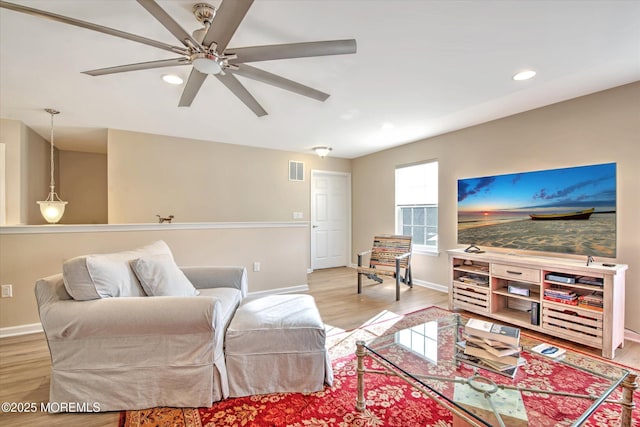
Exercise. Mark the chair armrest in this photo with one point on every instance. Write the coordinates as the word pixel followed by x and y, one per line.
pixel 398 259
pixel 218 277
pixel 130 316
pixel 360 255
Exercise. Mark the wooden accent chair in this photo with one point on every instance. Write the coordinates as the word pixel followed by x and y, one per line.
pixel 389 256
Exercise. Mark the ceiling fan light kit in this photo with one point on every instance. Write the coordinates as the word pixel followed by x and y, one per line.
pixel 206 63
pixel 207 50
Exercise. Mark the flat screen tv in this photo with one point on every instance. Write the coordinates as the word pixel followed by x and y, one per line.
pixel 569 211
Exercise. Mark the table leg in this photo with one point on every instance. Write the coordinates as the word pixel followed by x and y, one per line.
pixel 629 385
pixel 459 422
pixel 360 353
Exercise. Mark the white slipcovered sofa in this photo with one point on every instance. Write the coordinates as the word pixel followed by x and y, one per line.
pixel 114 345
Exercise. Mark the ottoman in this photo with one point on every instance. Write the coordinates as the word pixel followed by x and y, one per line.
pixel 276 344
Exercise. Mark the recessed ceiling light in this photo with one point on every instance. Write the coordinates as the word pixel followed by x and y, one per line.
pixel 172 79
pixel 524 75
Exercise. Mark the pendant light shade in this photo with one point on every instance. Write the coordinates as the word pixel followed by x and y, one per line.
pixel 52 208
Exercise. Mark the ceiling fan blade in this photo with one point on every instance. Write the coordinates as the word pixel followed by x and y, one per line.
pixel 248 71
pixel 226 22
pixel 234 85
pixel 93 27
pixel 292 50
pixel 138 66
pixel 196 78
pixel 168 22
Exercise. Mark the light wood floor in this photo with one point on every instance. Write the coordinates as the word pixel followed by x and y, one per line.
pixel 25 364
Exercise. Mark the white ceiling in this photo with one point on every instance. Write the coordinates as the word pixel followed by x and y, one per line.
pixel 422 68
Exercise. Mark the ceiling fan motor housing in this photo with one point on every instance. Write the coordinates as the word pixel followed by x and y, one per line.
pixel 204 13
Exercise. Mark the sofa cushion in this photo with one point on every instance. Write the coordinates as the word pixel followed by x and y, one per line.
pixel 276 344
pixel 160 276
pixel 229 298
pixel 107 275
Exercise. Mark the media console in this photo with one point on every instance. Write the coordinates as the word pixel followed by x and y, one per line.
pixel 560 297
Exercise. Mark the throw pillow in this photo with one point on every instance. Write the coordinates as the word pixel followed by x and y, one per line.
pixel 160 276
pixel 107 275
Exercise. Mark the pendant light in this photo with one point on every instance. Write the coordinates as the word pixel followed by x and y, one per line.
pixel 52 208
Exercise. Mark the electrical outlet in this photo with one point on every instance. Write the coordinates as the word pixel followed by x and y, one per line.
pixel 256 266
pixel 7 291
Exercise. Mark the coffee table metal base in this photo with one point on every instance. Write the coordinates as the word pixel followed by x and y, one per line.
pixel 629 385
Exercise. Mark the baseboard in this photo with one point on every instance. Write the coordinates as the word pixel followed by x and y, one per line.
pixel 13 331
pixel 430 285
pixel 423 283
pixel 288 290
pixel 631 336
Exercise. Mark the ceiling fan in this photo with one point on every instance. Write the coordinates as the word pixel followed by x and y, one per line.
pixel 207 50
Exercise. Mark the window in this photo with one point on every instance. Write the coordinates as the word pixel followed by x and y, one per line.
pixel 417 204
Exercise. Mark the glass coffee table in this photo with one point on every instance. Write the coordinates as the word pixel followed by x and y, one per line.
pixel 543 391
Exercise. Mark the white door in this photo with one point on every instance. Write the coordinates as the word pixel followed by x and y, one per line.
pixel 330 219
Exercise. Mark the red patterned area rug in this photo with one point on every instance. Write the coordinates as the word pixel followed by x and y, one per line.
pixel 390 400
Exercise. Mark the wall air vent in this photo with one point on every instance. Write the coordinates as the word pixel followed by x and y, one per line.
pixel 296 171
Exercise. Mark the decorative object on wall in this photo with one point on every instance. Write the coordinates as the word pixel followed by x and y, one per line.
pixel 165 219
pixel 52 208
pixel 322 151
pixel 207 50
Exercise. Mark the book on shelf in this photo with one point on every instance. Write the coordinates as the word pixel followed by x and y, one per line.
pixel 560 293
pixel 494 332
pixel 561 301
pixel 590 307
pixel 594 301
pixel 474 280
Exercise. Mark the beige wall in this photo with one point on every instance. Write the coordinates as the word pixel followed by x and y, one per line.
pixel 10 135
pixel 83 183
pixel 37 173
pixel 198 181
pixel 25 257
pixel 599 128
pixel 195 181
pixel 27 172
